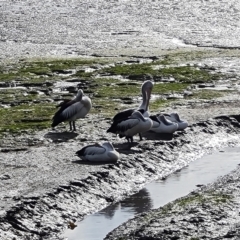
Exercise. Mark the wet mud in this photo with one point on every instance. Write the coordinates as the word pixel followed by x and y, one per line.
pixel 46 188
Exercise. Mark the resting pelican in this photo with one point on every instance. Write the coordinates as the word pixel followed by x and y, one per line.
pixel 99 153
pixel 131 126
pixel 147 87
pixel 71 110
pixel 174 117
pixel 163 125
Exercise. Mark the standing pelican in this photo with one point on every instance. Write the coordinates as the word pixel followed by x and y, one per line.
pixel 98 153
pixel 71 110
pixel 130 126
pixel 147 87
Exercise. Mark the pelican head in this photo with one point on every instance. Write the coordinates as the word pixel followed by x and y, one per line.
pixel 147 87
pixel 79 95
pixel 108 145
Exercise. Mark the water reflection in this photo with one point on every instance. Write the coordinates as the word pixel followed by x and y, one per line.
pixel 137 203
pixel 140 201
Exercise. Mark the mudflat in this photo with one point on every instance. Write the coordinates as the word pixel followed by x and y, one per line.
pixel 44 186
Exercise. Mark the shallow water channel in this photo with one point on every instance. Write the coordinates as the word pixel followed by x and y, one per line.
pixel 156 194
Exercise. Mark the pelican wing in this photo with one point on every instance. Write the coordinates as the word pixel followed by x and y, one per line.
pixel 127 124
pixel 123 125
pixel 72 110
pixel 58 116
pixel 122 115
pixel 64 103
pixel 125 114
pixel 91 150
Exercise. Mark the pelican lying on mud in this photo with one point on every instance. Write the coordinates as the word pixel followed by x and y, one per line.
pixel 71 110
pixel 174 117
pixel 98 153
pixel 130 126
pixel 163 125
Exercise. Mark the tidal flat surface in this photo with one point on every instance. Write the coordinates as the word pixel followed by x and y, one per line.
pixel 43 186
pixel 72 28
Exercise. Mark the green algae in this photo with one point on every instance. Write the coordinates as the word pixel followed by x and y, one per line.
pixel 26 116
pixel 108 94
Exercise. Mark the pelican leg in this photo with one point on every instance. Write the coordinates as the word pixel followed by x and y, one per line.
pixel 70 124
pixel 129 139
pixel 74 126
pixel 140 137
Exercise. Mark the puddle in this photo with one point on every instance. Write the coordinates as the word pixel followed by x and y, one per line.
pixel 156 194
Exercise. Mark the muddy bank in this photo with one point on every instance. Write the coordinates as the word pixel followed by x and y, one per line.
pixel 45 188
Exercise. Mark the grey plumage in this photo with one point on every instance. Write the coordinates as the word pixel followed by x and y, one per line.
pixel 71 110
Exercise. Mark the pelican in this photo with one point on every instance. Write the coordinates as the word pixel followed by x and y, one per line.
pixel 71 110
pixel 147 87
pixel 98 153
pixel 174 117
pixel 163 125
pixel 130 126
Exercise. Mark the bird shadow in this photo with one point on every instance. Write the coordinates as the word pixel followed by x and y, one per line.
pixel 150 135
pixel 61 136
pixel 82 162
pixel 126 148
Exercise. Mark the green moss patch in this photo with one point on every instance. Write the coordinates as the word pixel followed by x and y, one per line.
pixel 34 116
pixel 213 197
pixel 118 91
pixel 162 88
pixel 129 69
pixel 160 104
pixel 188 74
pixel 30 71
pixel 208 94
pixel 209 197
pixel 105 107
pixel 31 110
pixel 18 95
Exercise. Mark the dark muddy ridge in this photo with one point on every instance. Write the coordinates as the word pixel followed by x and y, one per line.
pixel 83 189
